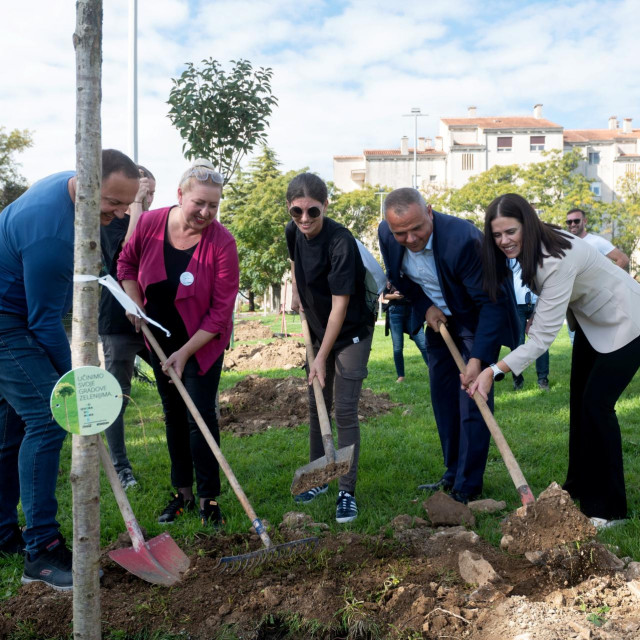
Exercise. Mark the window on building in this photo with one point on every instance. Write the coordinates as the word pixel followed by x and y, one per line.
pixel 505 143
pixel 594 157
pixel 536 143
pixel 467 161
pixel 433 178
pixel 596 189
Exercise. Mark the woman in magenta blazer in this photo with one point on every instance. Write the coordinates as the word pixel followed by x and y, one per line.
pixel 181 266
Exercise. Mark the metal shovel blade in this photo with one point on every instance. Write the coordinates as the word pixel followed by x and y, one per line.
pixel 159 560
pixel 322 470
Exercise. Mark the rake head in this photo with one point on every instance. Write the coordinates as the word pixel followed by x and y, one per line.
pixel 235 564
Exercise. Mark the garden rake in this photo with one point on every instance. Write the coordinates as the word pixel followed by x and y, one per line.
pixel 271 551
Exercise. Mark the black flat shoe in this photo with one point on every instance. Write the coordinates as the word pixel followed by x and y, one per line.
pixel 441 485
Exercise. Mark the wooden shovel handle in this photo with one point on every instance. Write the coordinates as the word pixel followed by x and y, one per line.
pixel 125 508
pixel 197 416
pixel 323 416
pixel 505 451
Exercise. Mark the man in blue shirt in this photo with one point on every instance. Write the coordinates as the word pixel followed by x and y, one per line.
pixel 36 286
pixel 434 260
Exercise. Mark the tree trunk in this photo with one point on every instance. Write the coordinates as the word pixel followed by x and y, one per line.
pixel 276 304
pixel 85 463
pixel 252 301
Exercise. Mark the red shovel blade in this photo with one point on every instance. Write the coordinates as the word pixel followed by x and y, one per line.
pixel 159 560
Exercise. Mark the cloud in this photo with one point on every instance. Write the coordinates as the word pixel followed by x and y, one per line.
pixel 345 72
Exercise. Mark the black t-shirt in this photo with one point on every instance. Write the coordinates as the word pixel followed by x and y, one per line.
pixel 161 298
pixel 112 318
pixel 330 264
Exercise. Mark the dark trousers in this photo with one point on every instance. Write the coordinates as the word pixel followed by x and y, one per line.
pixel 188 450
pixel 346 369
pixel 120 351
pixel 595 475
pixel 463 433
pixel 525 311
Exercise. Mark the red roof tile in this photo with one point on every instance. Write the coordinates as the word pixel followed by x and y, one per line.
pixel 502 122
pixel 595 135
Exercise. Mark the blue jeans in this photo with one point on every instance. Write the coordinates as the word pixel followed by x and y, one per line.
pixel 30 440
pixel 542 363
pixel 399 323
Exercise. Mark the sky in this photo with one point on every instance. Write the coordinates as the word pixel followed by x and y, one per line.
pixel 344 73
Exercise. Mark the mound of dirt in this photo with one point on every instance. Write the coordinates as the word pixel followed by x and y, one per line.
pixel 256 404
pixel 251 330
pixel 550 521
pixel 405 583
pixel 280 354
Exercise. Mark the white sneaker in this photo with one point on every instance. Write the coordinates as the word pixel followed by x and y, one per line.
pixel 602 523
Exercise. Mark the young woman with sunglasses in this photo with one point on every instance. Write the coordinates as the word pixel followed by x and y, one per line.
pixel 181 266
pixel 328 283
pixel 602 303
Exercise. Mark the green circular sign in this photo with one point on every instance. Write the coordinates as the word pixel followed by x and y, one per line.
pixel 86 400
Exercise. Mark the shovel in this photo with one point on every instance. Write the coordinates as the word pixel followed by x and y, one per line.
pixel 334 463
pixel 253 558
pixel 526 496
pixel 160 560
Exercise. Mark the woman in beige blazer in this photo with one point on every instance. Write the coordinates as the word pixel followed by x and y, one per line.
pixel 602 303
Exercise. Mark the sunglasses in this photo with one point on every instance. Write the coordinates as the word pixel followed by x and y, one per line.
pixel 570 222
pixel 312 212
pixel 202 174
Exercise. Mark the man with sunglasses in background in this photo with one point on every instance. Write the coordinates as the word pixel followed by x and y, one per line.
pixel 576 224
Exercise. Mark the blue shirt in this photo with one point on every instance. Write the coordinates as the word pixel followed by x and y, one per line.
pixel 421 268
pixel 36 263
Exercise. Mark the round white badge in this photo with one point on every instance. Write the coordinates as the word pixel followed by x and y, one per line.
pixel 186 278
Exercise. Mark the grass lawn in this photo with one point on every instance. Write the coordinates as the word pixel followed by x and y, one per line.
pixel 399 451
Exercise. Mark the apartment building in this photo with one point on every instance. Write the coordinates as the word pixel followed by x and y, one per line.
pixel 468 146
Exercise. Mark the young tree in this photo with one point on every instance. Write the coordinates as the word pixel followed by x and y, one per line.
pixel 85 463
pixel 358 210
pixel 221 113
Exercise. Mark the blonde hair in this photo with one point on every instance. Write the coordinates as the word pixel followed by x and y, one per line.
pixel 202 171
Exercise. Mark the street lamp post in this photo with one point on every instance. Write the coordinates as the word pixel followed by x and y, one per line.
pixel 415 114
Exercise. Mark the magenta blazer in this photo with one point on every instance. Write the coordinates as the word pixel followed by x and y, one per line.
pixel 205 304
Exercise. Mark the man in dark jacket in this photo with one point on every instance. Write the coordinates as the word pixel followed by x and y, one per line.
pixel 434 260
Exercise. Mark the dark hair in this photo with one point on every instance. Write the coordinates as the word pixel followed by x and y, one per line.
pixel 576 210
pixel 401 199
pixel 146 173
pixel 307 185
pixel 114 161
pixel 535 234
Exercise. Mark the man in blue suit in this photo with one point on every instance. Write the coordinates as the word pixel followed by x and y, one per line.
pixel 434 260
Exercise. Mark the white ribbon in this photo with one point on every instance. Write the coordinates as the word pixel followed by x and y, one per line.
pixel 129 305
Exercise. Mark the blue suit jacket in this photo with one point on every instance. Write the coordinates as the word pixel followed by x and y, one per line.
pixel 456 248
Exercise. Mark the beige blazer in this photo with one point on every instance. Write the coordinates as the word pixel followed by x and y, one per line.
pixel 588 289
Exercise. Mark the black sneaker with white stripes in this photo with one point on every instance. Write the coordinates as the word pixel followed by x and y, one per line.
pixel 312 494
pixel 346 507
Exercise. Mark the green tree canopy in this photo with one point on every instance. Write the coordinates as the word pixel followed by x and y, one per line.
pixel 12 184
pixel 358 210
pixel 221 115
pixel 254 210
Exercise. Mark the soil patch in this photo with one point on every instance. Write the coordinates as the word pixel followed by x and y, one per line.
pixel 280 354
pixel 256 404
pixel 404 583
pixel 251 330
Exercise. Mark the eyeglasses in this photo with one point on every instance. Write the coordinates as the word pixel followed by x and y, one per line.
pixel 574 221
pixel 204 173
pixel 312 212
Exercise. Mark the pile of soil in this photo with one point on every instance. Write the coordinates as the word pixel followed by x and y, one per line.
pixel 283 353
pixel 251 330
pixel 256 404
pixel 406 582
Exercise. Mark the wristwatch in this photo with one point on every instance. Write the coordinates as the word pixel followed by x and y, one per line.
pixel 498 373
